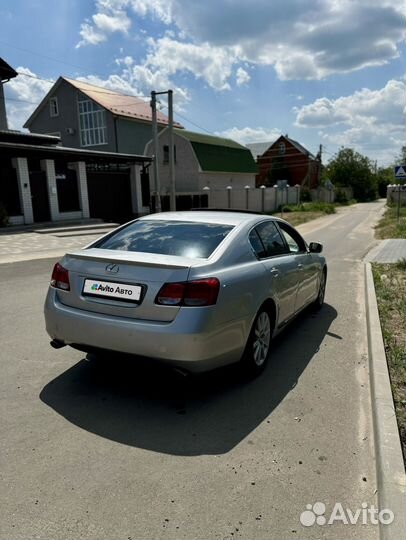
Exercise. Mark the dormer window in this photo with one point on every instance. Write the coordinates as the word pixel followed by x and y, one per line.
pixel 53 107
pixel 281 148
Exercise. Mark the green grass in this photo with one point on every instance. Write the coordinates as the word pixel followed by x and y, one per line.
pixel 324 208
pixel 296 214
pixel 388 227
pixel 390 287
pixel 297 218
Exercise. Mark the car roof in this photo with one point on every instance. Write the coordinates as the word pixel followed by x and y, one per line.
pixel 209 216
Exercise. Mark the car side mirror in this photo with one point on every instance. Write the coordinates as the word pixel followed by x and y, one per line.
pixel 315 247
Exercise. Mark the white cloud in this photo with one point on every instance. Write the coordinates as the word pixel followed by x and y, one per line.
pixel 304 40
pixel 213 64
pixel 112 23
pixel 307 40
pixel 126 61
pixel 248 135
pixel 139 81
pixel 242 77
pixel 90 35
pixel 25 93
pixel 371 107
pixel 111 18
pixel 371 120
pixel 161 9
pixel 117 83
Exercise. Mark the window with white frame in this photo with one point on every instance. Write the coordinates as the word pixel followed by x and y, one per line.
pixel 53 107
pixel 92 123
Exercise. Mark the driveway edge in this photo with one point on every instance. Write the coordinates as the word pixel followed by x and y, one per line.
pixel 390 471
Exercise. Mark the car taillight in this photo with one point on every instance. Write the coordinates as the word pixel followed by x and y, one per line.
pixel 60 278
pixel 171 294
pixel 201 292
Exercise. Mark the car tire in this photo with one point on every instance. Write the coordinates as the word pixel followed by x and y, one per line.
pixel 318 303
pixel 258 346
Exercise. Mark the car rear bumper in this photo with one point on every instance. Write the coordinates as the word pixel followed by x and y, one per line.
pixel 191 341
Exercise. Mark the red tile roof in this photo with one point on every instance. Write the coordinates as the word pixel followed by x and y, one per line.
pixel 118 104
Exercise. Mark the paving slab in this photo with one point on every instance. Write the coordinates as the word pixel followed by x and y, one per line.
pixel 388 251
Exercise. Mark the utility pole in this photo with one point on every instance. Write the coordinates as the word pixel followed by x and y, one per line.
pixel 171 153
pixel 157 185
pixel 319 160
pixel 158 205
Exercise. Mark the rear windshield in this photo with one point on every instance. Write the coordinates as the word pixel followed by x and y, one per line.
pixel 181 238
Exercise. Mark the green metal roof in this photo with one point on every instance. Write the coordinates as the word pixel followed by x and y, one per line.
pixel 216 154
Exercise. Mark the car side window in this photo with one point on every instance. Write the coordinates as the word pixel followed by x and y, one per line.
pixel 292 238
pixel 271 239
pixel 257 245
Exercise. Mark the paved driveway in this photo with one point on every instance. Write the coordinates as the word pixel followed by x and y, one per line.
pixel 128 453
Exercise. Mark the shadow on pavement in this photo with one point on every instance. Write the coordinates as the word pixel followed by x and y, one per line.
pixel 154 408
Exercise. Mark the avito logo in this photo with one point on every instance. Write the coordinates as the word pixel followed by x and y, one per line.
pixel 102 288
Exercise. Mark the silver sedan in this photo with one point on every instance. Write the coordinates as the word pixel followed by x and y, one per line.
pixel 197 289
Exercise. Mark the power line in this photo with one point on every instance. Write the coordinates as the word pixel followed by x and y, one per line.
pixel 34 53
pixel 143 98
pixel 191 122
pixel 21 100
pixel 108 92
pixel 289 164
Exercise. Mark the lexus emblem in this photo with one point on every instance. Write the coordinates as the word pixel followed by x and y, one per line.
pixel 112 268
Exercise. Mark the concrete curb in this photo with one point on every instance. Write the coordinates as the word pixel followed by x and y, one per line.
pixel 390 471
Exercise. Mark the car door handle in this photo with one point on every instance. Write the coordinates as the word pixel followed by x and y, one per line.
pixel 300 265
pixel 274 271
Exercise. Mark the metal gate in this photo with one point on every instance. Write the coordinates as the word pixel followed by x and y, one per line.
pixel 110 195
pixel 39 196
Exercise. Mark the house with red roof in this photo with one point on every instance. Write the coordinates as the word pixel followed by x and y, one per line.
pixel 285 159
pixel 86 116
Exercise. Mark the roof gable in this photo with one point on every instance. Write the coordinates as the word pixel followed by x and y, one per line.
pixel 125 106
pixel 193 136
pixel 258 149
pixel 118 104
pixel 297 145
pixel 6 71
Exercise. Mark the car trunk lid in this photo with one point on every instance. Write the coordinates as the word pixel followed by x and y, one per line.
pixel 99 276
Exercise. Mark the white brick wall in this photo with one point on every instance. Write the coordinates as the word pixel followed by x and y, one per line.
pixel 136 191
pixel 80 168
pixel 48 165
pixel 23 178
pixel 259 199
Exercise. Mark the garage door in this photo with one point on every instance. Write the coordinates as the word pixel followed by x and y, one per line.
pixel 110 195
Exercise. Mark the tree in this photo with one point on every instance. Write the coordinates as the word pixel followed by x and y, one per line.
pixel 384 178
pixel 350 168
pixel 401 159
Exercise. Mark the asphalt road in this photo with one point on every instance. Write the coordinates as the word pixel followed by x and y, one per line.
pixel 122 452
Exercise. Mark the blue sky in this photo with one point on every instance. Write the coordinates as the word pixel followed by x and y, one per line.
pixel 328 72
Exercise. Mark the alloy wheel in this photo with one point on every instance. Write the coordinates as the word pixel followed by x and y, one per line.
pixel 262 338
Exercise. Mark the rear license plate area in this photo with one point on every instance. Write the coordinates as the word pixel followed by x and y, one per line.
pixel 112 290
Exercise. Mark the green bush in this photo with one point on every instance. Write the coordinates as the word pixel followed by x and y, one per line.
pixel 341 197
pixel 305 195
pixel 327 208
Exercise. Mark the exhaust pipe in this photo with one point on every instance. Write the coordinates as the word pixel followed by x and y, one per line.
pixel 56 344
